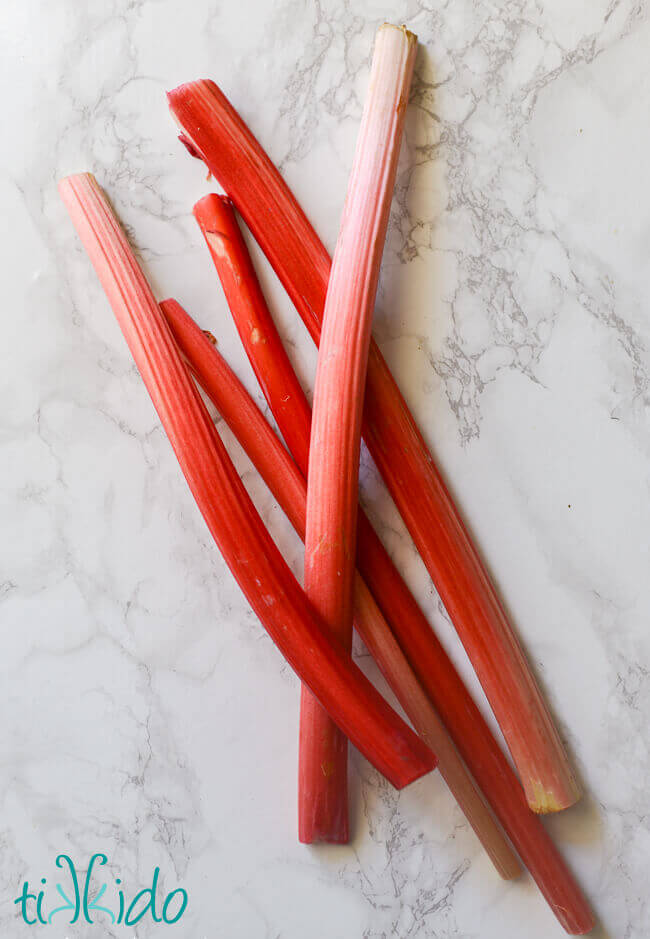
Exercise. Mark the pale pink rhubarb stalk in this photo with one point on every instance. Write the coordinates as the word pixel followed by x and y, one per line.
pixel 247 547
pixel 427 657
pixel 288 485
pixel 213 131
pixel 332 480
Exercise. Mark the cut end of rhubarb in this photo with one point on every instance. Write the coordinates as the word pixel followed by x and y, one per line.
pixel 208 212
pixel 211 203
pixel 315 836
pixel 68 183
pixel 411 37
pixel 177 99
pixel 543 801
pixel 215 216
pixel 188 89
pixel 575 925
pixel 409 777
pixel 508 870
pixel 209 209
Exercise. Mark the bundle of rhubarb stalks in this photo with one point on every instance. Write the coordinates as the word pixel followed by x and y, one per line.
pixel 312 472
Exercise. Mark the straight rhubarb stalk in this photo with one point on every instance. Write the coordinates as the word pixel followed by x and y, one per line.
pixel 213 131
pixel 427 657
pixel 246 545
pixel 288 485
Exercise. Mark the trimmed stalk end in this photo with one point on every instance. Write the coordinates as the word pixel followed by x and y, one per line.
pixel 412 38
pixel 544 801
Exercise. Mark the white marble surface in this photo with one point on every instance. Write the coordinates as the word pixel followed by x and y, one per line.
pixel 145 714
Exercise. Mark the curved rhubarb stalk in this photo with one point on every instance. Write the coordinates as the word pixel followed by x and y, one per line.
pixel 333 476
pixel 287 484
pixel 214 132
pixel 432 665
pixel 246 545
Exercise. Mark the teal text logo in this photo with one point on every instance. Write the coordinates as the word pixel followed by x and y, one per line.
pixel 84 904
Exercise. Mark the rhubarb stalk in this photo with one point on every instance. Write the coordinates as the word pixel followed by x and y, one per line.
pixel 288 485
pixel 432 665
pixel 213 131
pixel 333 475
pixel 246 545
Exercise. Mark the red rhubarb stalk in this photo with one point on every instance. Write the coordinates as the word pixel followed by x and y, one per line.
pixel 288 485
pixel 217 134
pixel 246 545
pixel 435 670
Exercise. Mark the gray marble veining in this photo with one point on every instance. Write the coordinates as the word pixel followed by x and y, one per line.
pixel 146 715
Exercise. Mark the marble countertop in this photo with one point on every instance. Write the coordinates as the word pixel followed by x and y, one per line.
pixel 145 713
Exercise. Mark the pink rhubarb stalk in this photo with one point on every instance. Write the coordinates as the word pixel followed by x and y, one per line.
pixel 333 475
pixel 430 662
pixel 246 545
pixel 288 485
pixel 213 131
